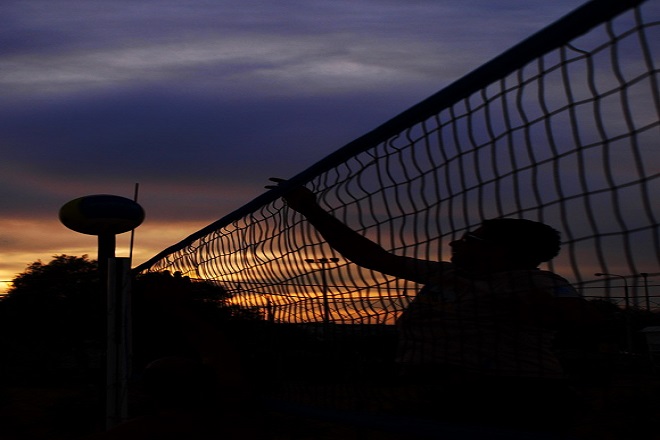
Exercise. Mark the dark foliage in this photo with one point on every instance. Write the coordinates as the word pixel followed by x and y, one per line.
pixel 52 321
pixel 156 333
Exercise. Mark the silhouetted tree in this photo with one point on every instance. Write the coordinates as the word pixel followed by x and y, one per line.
pixel 62 277
pixel 52 319
pixel 156 330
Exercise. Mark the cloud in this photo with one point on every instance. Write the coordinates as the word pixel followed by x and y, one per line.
pixel 201 101
pixel 171 135
pixel 229 68
pixel 224 47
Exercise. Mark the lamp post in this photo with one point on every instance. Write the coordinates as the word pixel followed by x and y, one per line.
pixel 270 316
pixel 326 306
pixel 105 216
pixel 626 293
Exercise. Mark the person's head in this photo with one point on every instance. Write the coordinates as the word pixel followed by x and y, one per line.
pixel 506 244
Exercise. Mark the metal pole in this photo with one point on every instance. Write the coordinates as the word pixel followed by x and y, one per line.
pixel 326 305
pixel 106 250
pixel 645 276
pixel 118 350
pixel 626 292
pixel 270 315
pixel 135 199
pixel 324 286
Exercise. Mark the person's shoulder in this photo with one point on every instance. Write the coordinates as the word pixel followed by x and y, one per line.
pixel 538 279
pixel 560 286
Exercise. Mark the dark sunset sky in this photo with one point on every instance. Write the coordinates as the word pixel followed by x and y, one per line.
pixel 201 101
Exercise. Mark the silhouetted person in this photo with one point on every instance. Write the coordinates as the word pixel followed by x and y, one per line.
pixel 476 343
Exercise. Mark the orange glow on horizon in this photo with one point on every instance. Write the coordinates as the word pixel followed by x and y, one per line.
pixel 25 241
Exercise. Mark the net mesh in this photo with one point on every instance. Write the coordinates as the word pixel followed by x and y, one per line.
pixel 562 129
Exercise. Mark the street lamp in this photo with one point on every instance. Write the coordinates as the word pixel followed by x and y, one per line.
pixel 326 306
pixel 627 302
pixel 625 285
pixel 105 216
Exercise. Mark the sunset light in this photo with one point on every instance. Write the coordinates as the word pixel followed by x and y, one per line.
pixel 329 219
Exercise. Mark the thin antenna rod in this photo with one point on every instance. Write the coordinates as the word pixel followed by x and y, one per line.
pixel 135 199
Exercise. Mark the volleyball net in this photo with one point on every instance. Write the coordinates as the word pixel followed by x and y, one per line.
pixel 563 128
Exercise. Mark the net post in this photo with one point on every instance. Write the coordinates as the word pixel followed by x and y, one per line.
pixel 118 350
